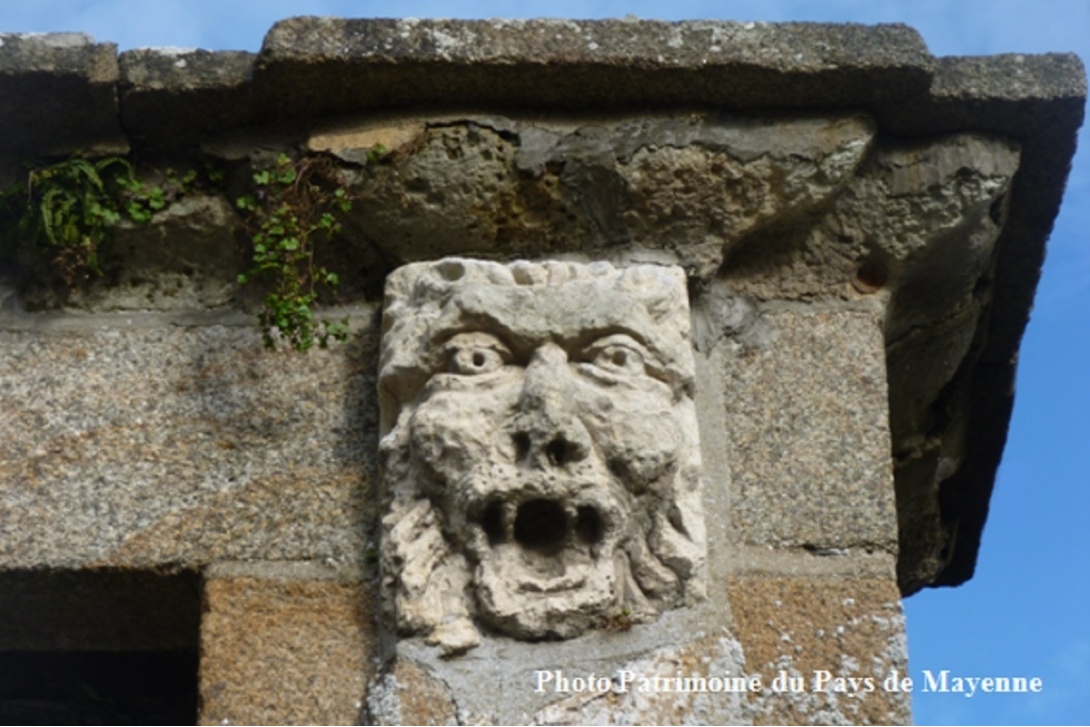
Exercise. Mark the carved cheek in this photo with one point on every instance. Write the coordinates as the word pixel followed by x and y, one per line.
pixel 638 433
pixel 454 430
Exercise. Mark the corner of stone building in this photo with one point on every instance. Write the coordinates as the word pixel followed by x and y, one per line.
pixel 667 408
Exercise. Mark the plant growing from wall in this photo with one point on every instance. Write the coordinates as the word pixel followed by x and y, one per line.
pixel 64 212
pixel 59 216
pixel 292 212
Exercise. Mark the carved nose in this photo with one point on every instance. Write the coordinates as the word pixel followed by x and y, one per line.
pixel 547 430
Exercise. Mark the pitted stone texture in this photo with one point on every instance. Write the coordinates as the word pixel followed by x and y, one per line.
pixel 144 447
pixel 920 220
pixel 928 216
pixel 848 627
pixel 942 274
pixel 540 451
pixel 809 440
pixel 813 47
pixel 408 694
pixel 490 185
pixel 59 94
pixel 285 652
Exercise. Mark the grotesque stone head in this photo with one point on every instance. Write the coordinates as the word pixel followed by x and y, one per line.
pixel 539 449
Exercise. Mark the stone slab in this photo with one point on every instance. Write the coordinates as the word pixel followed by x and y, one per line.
pixel 171 99
pixel 169 445
pixel 805 394
pixel 849 628
pixel 284 651
pixel 564 62
pixel 59 92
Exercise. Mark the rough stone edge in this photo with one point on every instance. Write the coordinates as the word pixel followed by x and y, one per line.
pixel 283 570
pixel 169 99
pixel 59 92
pixel 1043 111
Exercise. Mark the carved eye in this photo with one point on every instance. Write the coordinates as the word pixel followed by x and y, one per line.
pixel 618 354
pixel 474 354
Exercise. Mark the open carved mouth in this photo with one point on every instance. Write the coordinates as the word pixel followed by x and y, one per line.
pixel 543 526
pixel 544 547
pixel 546 544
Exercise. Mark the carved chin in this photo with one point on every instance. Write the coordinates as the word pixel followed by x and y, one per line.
pixel 519 599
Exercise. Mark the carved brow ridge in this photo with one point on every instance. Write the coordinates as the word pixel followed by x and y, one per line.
pixel 522 345
pixel 517 317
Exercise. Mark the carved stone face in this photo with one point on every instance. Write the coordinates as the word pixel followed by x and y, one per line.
pixel 540 449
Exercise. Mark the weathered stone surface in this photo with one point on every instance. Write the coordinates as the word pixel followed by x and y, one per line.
pixel 121 464
pixel 59 92
pixel 540 452
pixel 919 220
pixel 314 67
pixel 489 185
pixel 716 656
pixel 805 210
pixel 931 213
pixel 408 694
pixel 281 651
pixel 627 42
pixel 187 257
pixel 318 62
pixel 846 627
pixel 144 446
pixel 917 227
pixel 998 82
pixel 809 442
pixel 172 99
pixel 703 641
pixel 523 680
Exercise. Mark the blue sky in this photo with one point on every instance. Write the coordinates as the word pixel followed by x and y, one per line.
pixel 1025 611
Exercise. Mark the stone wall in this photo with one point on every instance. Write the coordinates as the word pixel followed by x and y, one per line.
pixel 847 222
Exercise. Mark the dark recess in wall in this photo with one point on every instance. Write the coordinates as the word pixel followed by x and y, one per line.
pixel 98 687
pixel 99 647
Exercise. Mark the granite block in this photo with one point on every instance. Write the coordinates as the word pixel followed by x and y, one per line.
pixel 805 395
pixel 285 652
pixel 823 629
pixel 145 447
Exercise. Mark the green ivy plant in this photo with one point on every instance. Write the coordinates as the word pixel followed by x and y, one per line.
pixel 291 212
